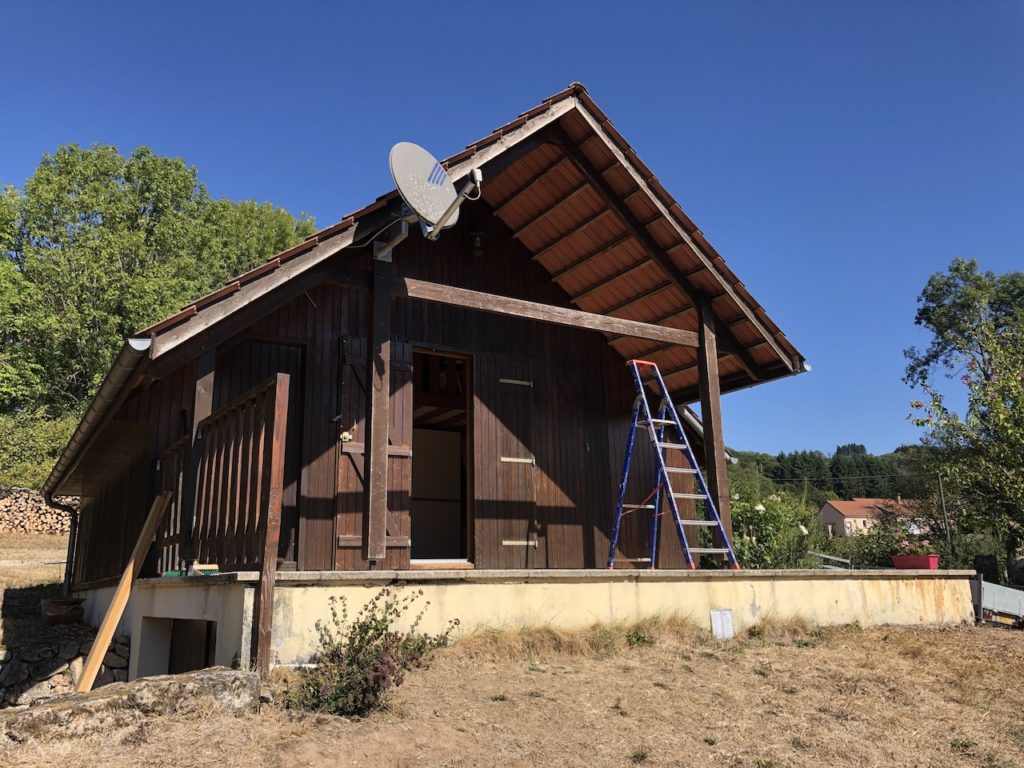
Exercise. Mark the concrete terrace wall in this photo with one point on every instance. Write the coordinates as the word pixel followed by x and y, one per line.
pixel 577 599
pixel 563 599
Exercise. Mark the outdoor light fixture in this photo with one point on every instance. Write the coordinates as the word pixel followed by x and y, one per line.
pixel 476 242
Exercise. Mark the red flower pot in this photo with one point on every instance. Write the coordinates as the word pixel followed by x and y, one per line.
pixel 917 562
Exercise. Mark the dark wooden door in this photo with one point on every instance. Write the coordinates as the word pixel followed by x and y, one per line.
pixel 246 365
pixel 504 503
pixel 351 523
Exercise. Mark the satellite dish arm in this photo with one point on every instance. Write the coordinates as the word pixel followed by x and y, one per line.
pixel 475 182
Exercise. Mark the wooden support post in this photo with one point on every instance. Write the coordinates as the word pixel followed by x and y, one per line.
pixel 263 610
pixel 378 366
pixel 711 414
pixel 124 588
pixel 202 406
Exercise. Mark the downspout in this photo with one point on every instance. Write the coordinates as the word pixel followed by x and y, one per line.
pixel 69 561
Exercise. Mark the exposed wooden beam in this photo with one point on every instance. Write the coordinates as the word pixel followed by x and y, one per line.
pixel 667 374
pixel 633 268
pixel 711 415
pixel 583 226
pixel 597 253
pixel 378 367
pixel 541 176
pixel 422 290
pixel 654 250
pixel 549 209
pixel 688 241
pixel 498 163
pixel 674 314
pixel 642 296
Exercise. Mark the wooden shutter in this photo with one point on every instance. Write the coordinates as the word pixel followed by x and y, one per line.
pixel 505 501
pixel 351 422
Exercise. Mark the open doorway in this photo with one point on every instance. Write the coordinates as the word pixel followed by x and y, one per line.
pixel 439 502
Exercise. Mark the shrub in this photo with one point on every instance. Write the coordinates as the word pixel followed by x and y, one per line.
pixel 361 661
pixel 29 445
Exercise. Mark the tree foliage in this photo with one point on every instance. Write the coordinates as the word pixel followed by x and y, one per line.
pixel 957 306
pixel 29 445
pixel 982 450
pixel 95 247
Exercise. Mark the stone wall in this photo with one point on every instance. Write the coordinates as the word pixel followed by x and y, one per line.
pixel 35 672
pixel 26 511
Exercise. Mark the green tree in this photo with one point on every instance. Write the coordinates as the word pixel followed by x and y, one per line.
pixel 95 247
pixel 956 306
pixel 982 451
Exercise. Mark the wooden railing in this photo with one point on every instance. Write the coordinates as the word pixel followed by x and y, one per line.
pixel 239 479
pixel 173 533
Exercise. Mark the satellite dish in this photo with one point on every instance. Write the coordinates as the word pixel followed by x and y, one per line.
pixel 427 189
pixel 423 184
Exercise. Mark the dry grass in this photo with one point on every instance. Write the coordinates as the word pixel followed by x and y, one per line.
pixel 22 549
pixel 657 693
pixel 785 697
pixel 600 640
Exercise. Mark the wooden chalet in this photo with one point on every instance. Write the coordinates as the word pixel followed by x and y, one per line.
pixel 464 405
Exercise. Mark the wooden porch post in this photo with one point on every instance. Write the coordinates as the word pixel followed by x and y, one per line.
pixel 378 366
pixel 272 480
pixel 711 413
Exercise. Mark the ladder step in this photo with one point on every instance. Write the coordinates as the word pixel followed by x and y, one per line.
pixel 708 551
pixel 679 446
pixel 705 523
pixel 638 506
pixel 662 421
pixel 697 496
pixel 632 560
pixel 682 470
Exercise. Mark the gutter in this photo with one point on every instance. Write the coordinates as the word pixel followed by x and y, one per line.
pixel 69 560
pixel 112 392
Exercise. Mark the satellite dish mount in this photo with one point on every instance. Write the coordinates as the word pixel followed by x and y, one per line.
pixel 428 190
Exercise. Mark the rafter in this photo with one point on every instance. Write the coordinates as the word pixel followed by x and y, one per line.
pixel 654 250
pixel 549 209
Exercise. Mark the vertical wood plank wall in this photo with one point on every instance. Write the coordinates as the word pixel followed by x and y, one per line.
pixel 572 420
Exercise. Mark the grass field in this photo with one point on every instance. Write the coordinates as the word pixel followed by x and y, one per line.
pixel 662 694
pixel 22 556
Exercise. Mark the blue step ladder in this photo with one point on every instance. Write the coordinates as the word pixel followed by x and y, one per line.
pixel 667 419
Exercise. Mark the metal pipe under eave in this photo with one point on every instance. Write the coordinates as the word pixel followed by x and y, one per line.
pixel 697 427
pixel 69 559
pixel 132 355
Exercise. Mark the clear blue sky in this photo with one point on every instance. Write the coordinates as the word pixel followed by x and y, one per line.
pixel 835 154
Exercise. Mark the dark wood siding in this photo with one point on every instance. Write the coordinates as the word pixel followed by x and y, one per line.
pixel 572 420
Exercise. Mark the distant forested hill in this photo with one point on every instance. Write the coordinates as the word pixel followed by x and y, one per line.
pixel 850 472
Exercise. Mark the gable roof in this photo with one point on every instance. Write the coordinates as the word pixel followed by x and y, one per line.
pixel 862 507
pixel 576 195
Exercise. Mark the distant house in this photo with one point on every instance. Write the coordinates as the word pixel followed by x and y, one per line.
pixel 846 518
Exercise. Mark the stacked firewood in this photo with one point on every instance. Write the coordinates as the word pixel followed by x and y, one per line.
pixel 25 511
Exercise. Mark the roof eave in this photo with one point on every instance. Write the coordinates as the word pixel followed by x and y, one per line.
pixel 130 361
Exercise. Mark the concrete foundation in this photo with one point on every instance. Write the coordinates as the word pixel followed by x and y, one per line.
pixel 563 599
